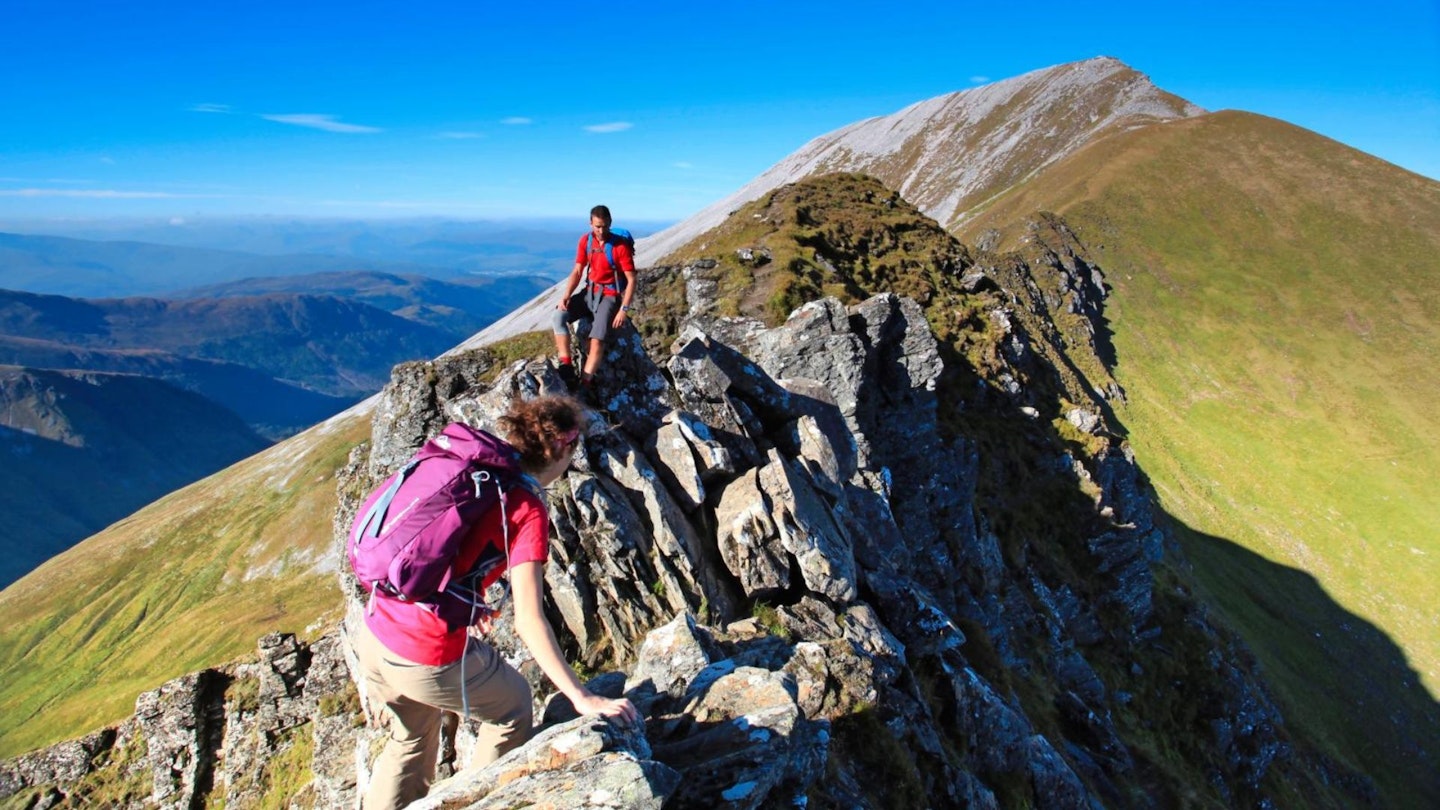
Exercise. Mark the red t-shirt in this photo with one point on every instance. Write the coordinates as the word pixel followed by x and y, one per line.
pixel 600 270
pixel 420 636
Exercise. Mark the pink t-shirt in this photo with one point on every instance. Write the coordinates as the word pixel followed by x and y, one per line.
pixel 420 636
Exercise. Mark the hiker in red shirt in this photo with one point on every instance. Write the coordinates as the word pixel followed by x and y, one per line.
pixel 419 668
pixel 604 299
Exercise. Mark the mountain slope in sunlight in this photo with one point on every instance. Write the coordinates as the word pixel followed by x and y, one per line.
pixel 1276 315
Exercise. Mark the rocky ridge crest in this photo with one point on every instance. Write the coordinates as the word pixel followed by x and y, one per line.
pixel 778 577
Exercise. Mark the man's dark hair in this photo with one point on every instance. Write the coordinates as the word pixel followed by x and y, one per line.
pixel 603 212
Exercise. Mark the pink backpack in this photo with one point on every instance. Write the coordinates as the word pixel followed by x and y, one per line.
pixel 405 537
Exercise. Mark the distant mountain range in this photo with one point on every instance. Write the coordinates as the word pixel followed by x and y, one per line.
pixel 89 375
pixel 160 256
pixel 90 269
pixel 269 406
pixel 460 306
pixel 327 344
pixel 276 354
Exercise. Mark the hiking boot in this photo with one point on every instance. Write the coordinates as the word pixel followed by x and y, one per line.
pixel 569 376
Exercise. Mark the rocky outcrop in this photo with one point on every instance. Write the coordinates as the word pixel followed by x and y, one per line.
pixel 282 727
pixel 775 546
pixel 799 479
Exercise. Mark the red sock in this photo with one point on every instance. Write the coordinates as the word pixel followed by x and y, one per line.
pixel 564 361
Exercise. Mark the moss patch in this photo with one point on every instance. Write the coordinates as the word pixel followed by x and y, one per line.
pixel 884 768
pixel 287 783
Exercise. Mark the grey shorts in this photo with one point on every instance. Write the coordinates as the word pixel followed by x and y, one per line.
pixel 592 305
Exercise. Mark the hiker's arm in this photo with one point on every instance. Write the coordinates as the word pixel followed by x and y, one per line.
pixel 570 284
pixel 527 586
pixel 622 312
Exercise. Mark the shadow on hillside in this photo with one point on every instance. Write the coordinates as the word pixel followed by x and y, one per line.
pixel 1334 673
pixel 41 486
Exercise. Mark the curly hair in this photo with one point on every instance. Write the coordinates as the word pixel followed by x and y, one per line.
pixel 543 429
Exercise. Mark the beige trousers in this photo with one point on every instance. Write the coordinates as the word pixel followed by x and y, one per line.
pixel 416 696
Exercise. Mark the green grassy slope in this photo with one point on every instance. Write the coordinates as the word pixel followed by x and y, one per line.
pixel 190 581
pixel 1276 315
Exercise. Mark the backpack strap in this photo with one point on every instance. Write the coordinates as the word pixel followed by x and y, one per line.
pixel 609 251
pixel 375 518
pixel 609 257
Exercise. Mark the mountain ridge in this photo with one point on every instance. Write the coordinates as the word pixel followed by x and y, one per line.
pixel 914 150
pixel 981 594
pixel 969 109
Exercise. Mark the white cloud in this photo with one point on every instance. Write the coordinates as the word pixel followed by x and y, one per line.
pixel 614 126
pixel 177 220
pixel 211 108
pixel 684 164
pixel 107 160
pixel 316 121
pixel 97 194
pixel 516 120
pixel 979 79
pixel 459 136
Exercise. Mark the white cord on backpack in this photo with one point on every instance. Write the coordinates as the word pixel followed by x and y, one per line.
pixel 475 602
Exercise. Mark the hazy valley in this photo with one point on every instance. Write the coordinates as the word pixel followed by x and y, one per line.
pixel 267 355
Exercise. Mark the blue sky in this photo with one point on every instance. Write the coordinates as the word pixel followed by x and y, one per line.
pixel 488 110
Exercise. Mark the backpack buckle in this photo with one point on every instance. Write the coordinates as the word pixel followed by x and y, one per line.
pixel 479 477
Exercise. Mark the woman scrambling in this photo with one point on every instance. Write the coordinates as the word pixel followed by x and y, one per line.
pixel 419 667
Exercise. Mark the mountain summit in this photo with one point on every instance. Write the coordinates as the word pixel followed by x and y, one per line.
pixel 951 154
pixel 948 155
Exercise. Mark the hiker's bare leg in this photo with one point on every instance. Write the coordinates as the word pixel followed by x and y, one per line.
pixel 592 356
pixel 562 344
